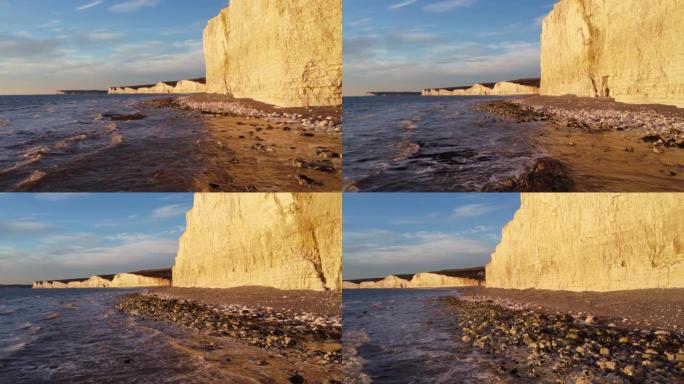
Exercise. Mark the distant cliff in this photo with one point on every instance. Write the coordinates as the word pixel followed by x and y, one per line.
pixel 182 86
pixel 630 50
pixel 502 88
pixel 592 242
pixel 281 240
pixel 282 52
pixel 441 279
pixel 151 278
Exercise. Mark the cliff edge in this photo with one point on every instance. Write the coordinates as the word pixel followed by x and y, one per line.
pixel 280 240
pixel 630 50
pixel 592 242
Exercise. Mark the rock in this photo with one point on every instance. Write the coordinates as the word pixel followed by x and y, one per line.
pixel 325 166
pixel 586 52
pixel 117 117
pixel 306 181
pixel 327 153
pixel 539 248
pixel 607 364
pixel 281 240
pixel 628 370
pixel 294 61
pixel 52 316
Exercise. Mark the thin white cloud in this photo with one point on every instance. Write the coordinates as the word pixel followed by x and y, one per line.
pixel 169 211
pixel 59 196
pixel 426 248
pixel 402 4
pixel 89 5
pixel 473 210
pixel 133 5
pixel 23 226
pixel 448 5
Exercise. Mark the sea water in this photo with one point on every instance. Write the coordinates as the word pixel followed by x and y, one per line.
pixel 64 143
pixel 78 336
pixel 414 143
pixel 406 336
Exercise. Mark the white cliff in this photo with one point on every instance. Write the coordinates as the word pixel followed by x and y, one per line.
pixel 592 242
pixel 282 52
pixel 630 50
pixel 281 240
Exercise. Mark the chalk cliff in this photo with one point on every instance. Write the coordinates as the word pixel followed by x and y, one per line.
pixel 349 285
pixel 281 240
pixel 419 280
pixel 390 281
pixel 630 50
pixel 507 88
pixel 183 86
pixel 121 280
pixel 433 280
pixel 592 242
pixel 502 88
pixel 282 52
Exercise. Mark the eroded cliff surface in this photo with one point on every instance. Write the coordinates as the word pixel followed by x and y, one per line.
pixel 282 52
pixel 281 240
pixel 630 50
pixel 592 242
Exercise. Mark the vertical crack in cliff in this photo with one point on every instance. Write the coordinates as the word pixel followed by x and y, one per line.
pixel 591 46
pixel 318 264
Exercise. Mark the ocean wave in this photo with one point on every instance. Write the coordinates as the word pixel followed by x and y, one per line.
pixel 35 177
pixel 353 363
pixel 11 349
pixel 36 152
pixel 408 125
pixel 406 149
pixel 117 138
pixel 4 311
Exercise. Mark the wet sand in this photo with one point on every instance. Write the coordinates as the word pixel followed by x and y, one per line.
pixel 251 334
pixel 252 146
pixel 603 145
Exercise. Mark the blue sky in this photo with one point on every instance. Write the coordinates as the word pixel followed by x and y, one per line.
pixel 63 235
pixel 402 45
pixel 94 44
pixel 398 233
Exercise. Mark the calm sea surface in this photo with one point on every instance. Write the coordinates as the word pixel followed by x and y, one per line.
pixel 414 143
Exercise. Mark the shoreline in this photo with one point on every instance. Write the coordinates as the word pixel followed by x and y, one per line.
pixel 212 143
pixel 298 326
pixel 530 337
pixel 299 149
pixel 596 144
